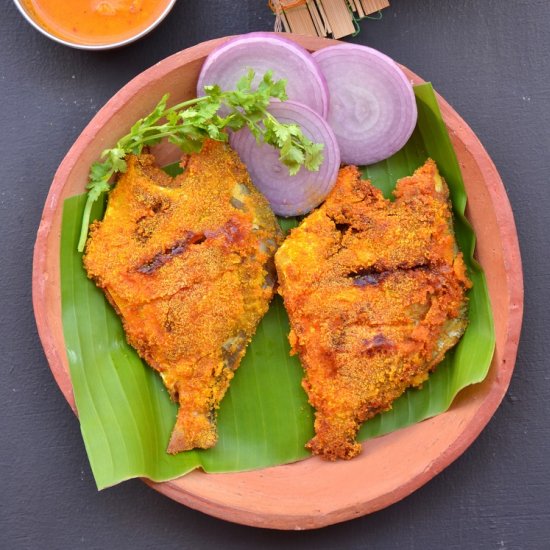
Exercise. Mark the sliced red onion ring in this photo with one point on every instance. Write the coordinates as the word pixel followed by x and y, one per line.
pixel 372 108
pixel 262 52
pixel 298 194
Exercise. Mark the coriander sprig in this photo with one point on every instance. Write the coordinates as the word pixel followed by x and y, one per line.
pixel 190 123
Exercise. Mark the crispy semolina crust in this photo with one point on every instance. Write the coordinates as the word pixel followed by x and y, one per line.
pixel 187 262
pixel 375 291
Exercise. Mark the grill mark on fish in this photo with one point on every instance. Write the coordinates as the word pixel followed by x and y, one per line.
pixel 372 276
pixel 368 277
pixel 178 248
pixel 379 342
pixel 342 227
pixel 232 231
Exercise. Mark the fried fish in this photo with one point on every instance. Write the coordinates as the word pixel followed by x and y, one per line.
pixel 375 292
pixel 187 263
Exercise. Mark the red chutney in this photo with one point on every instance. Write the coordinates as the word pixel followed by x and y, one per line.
pixel 95 22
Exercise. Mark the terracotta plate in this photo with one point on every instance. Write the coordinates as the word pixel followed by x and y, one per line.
pixel 311 493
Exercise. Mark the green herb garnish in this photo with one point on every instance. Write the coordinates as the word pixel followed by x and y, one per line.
pixel 190 123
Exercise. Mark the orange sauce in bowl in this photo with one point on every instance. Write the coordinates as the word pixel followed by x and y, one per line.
pixel 95 22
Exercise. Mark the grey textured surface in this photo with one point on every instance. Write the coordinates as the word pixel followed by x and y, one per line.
pixel 489 59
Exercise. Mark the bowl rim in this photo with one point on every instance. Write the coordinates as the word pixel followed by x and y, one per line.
pixel 94 47
pixel 188 489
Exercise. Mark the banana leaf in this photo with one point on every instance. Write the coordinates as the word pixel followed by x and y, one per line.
pixel 126 415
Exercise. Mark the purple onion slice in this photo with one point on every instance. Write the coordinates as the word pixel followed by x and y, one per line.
pixel 301 193
pixel 264 52
pixel 372 108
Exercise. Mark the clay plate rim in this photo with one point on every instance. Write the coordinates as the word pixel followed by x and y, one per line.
pixel 313 493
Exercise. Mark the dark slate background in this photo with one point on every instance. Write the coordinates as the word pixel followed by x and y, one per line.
pixel 490 60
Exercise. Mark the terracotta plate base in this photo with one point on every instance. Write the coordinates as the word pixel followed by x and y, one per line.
pixel 311 493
